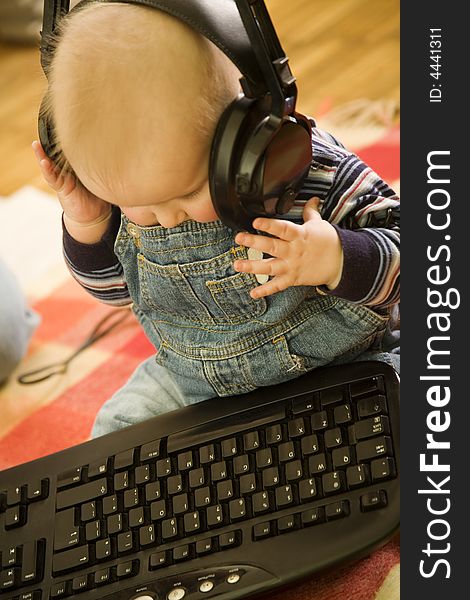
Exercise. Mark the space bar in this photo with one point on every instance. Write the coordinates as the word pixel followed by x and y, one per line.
pixel 232 424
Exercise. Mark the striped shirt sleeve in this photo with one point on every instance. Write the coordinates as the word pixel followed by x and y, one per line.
pixel 96 267
pixel 365 212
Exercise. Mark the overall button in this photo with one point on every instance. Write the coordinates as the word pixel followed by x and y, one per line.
pixel 176 594
pixel 233 578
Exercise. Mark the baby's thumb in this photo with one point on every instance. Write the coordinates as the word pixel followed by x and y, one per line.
pixel 312 209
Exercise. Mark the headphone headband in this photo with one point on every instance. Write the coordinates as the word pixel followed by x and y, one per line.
pixel 242 29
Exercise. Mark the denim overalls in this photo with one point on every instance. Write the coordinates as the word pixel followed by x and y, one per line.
pixel 212 338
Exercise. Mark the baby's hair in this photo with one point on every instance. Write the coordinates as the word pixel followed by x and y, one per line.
pixel 81 96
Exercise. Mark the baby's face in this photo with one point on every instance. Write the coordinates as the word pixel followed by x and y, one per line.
pixel 163 188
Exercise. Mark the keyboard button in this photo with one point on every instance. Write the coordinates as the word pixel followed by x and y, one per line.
pixel 309 445
pixel 337 510
pixel 124 459
pixel 110 504
pixel 103 549
pixel 157 560
pixel 285 524
pixel 219 471
pixel 373 500
pixel 58 590
pixel 296 428
pixel 248 483
pixel 127 569
pixel 181 504
pixel 185 461
pixel 238 509
pixel 215 515
pixel 102 576
pixel 332 395
pixel 251 441
pixel 205 546
pixel 32 561
pixel 88 511
pixel 366 386
pixel 174 484
pixel 150 451
pixel 319 420
pixel 153 491
pixel 98 468
pixel 271 477
pixel 69 477
pixel 163 467
pixel 66 533
pixel 8 579
pixel 312 516
pixel 169 529
pixel 142 474
pixel 284 496
pixel 228 540
pixel 372 405
pixel 225 490
pixel 121 481
pixel 307 489
pixel 303 404
pixel 317 464
pixel 264 458
pixel 342 414
pixel 274 434
pixel 371 427
pixel 333 482
pixel 181 552
pixel 192 522
pixel 147 535
pixel 382 468
pixel 241 464
pixel 202 497
pixel 196 478
pixel 356 475
pixel 333 438
pixel 15 517
pixel 93 531
pixel 286 451
pixel 136 517
pixel 262 530
pixel 229 447
pixel 341 457
pixel 37 490
pixel 70 559
pixel 10 557
pixel 82 493
pixel 125 542
pixel 207 454
pixel 293 470
pixel 373 448
pixel 79 583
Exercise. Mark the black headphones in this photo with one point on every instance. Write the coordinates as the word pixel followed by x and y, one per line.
pixel 261 151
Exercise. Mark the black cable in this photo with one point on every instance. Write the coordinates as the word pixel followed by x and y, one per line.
pixel 60 368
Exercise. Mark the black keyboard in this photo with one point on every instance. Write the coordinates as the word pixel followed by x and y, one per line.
pixel 225 499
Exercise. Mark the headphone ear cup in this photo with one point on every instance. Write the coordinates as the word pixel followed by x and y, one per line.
pixel 227 144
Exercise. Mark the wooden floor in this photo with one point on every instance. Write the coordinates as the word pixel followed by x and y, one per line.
pixel 339 50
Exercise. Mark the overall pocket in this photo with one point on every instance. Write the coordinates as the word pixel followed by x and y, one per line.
pixel 203 292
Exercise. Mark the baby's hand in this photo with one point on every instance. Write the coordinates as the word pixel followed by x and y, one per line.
pixel 85 215
pixel 307 254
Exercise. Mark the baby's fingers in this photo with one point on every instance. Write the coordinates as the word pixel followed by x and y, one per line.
pixel 277 284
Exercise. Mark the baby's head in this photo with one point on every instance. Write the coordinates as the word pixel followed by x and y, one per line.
pixel 135 95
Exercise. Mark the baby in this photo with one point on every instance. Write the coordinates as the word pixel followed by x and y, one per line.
pixel 135 96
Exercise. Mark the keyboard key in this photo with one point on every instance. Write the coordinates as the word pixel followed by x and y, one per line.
pixel 124 459
pixel 238 509
pixel 303 404
pixel 185 461
pixel 169 529
pixel 103 549
pixel 146 535
pixel 98 468
pixel 241 464
pixel 373 448
pixel 271 477
pixel 205 546
pixel 371 427
pixel 293 470
pixel 153 491
pixel 174 484
pixel 192 522
pixel 32 561
pixel 262 530
pixel 309 445
pixel 373 500
pixel 79 583
pixel 10 556
pixel 219 471
pixel 372 405
pixel 317 464
pixel 251 441
pixel 71 559
pixel 337 510
pixel 136 517
pixel 125 542
pixel 382 468
pixel 163 467
pixel 110 504
pixel 333 438
pixel 37 490
pixel 284 496
pixel 181 552
pixel 150 451
pixel 286 451
pixel 82 493
pixel 102 576
pixel 215 515
pixel 333 482
pixel 342 414
pixel 59 590
pixel 207 454
pixel 87 511
pixel 229 447
pixel 196 478
pixel 285 524
pixel 356 475
pixel 264 458
pixel 202 497
pixel 228 540
pixel 307 489
pixel 127 569
pixel 341 457
pixel 69 477
pixel 319 420
pixel 158 510
pixel 332 395
pixel 274 434
pixel 366 386
pixel 248 483
pixel 296 428
pixel 312 516
pixel 142 474
pixel 15 517
pixel 225 490
pixel 66 533
pixel 181 504
pixel 8 579
pixel 114 524
pixel 157 560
